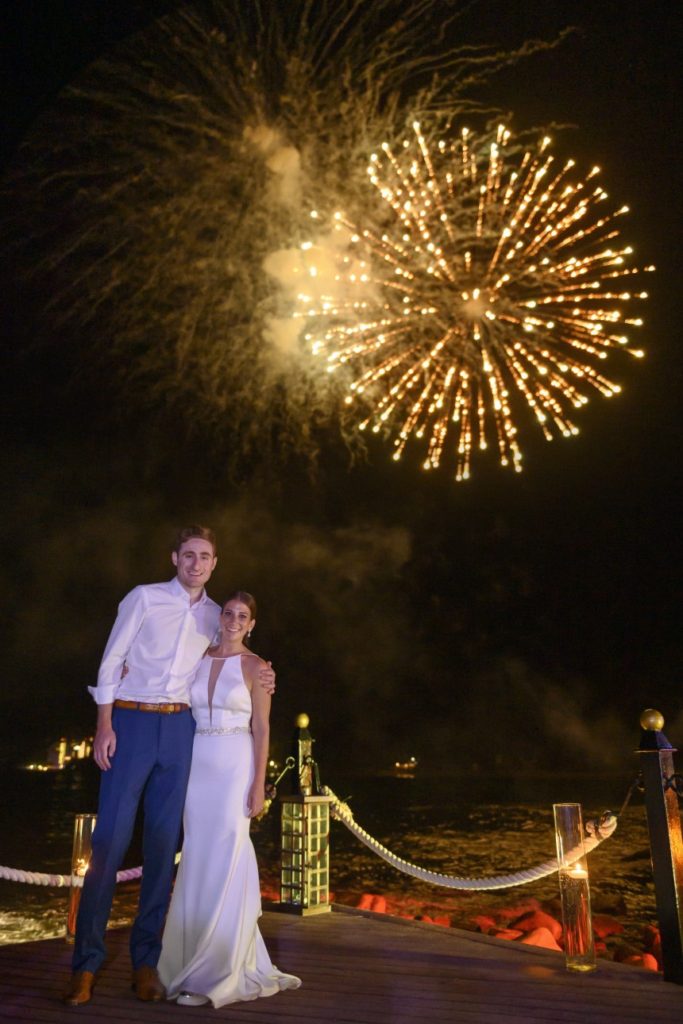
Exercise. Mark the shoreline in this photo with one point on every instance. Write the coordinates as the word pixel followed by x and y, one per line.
pixel 528 919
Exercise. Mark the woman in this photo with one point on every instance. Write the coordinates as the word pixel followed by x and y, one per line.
pixel 212 948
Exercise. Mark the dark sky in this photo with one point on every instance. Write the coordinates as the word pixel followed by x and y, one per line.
pixel 512 619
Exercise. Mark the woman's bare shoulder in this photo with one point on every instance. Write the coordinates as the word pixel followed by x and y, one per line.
pixel 252 663
pixel 257 657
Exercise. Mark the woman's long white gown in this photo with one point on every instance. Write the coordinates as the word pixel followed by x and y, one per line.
pixel 212 945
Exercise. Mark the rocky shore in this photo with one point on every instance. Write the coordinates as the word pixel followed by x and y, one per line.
pixel 533 922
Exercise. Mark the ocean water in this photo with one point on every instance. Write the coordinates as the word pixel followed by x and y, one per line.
pixel 470 825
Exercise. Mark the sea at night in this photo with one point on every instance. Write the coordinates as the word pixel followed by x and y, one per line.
pixel 467 824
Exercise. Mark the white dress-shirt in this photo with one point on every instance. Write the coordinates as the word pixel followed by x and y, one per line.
pixel 160 637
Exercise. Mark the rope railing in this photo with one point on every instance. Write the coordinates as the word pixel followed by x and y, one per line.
pixel 63 881
pixel 597 831
pixel 43 878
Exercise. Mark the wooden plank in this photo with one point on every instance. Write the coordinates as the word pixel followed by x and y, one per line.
pixel 361 968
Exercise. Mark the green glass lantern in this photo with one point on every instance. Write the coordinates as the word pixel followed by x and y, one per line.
pixel 305 834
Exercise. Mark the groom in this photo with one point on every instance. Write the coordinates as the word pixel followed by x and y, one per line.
pixel 143 744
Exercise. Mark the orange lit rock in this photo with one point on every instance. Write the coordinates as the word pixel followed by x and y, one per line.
pixel 650 962
pixel 540 937
pixel 645 960
pixel 653 942
pixel 365 902
pixel 621 953
pixel 483 923
pixel 510 913
pixel 378 905
pixel 443 920
pixel 604 925
pixel 506 933
pixel 538 919
pixel 656 952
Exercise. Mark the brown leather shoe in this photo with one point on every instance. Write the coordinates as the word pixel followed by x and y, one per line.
pixel 147 986
pixel 80 988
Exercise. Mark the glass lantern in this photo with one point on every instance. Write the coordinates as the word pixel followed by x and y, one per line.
pixel 84 826
pixel 305 854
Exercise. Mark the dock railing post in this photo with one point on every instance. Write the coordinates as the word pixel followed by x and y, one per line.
pixel 666 842
pixel 305 833
pixel 84 826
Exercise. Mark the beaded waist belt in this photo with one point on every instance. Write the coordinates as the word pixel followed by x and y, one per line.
pixel 223 732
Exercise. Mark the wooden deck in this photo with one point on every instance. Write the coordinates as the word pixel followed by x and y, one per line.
pixel 361 968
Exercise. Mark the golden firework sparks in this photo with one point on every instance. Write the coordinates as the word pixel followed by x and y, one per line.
pixel 489 282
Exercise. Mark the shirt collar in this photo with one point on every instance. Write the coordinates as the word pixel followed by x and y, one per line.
pixel 179 590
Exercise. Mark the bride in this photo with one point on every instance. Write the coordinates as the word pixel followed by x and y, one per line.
pixel 212 948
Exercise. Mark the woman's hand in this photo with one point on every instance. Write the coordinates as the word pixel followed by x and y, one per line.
pixel 256 799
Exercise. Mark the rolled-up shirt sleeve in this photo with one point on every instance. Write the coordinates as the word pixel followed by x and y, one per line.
pixel 128 621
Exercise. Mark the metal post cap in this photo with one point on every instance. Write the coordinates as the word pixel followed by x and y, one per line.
pixel 652 739
pixel 652 720
pixel 302 721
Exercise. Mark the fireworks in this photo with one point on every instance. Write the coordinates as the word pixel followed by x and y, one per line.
pixel 149 197
pixel 491 280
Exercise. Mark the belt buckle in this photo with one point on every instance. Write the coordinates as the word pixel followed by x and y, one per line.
pixel 167 709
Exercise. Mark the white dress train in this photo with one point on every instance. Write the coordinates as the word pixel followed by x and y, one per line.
pixel 212 945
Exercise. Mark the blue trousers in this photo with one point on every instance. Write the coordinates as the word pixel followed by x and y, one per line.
pixel 151 763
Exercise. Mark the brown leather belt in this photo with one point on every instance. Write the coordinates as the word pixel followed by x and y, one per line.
pixel 163 709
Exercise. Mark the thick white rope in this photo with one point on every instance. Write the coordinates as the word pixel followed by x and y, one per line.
pixel 596 832
pixel 76 881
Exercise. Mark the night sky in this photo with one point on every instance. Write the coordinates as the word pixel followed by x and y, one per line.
pixel 515 620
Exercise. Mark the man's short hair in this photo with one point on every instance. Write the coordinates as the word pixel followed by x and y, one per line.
pixel 188 532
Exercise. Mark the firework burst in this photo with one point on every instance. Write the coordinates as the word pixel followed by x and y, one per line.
pixel 491 280
pixel 147 200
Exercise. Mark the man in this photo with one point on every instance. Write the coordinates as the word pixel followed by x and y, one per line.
pixel 143 744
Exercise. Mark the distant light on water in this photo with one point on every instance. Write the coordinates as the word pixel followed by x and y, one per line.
pixel 62 753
